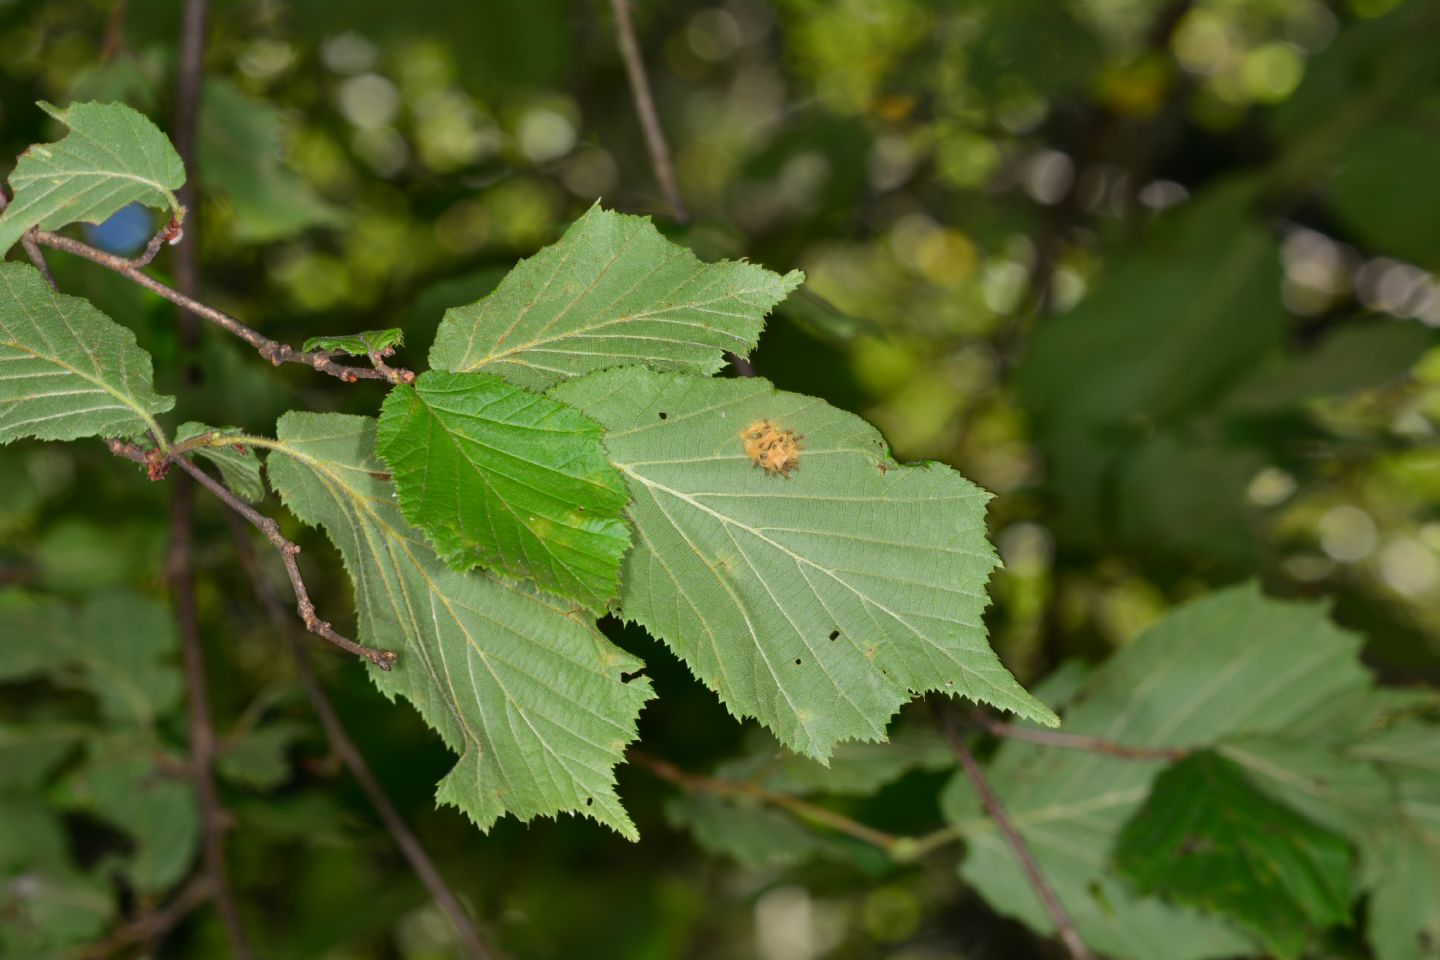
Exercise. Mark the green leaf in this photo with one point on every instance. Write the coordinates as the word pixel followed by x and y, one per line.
pixel 133 784
pixel 47 911
pixel 854 769
pixel 505 478
pixel 529 694
pixel 66 369
pixel 1404 873
pixel 258 758
pixel 112 156
pixel 357 344
pixel 240 158
pixel 751 832
pixel 1233 664
pixel 817 603
pixel 612 291
pixel 30 754
pixel 238 465
pixel 1208 838
pixel 1402 854
pixel 119 646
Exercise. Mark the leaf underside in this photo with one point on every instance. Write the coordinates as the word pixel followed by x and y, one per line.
pixel 817 603
pixel 67 370
pixel 112 156
pixel 529 695
pixel 611 292
pixel 508 479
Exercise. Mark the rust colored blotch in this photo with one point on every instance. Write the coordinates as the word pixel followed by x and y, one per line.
pixel 772 449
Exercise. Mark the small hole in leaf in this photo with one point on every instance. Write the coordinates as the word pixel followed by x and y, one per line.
pixel 797 661
pixel 589 801
pixel 834 634
pixel 627 677
pixel 664 415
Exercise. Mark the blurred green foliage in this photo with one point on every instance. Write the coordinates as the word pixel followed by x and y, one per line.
pixel 1157 273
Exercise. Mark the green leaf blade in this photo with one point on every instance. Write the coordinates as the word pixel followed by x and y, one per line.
pixel 820 602
pixel 1207 837
pixel 508 479
pixel 67 370
pixel 1233 664
pixel 611 292
pixel 359 344
pixel 529 695
pixel 113 156
pixel 239 466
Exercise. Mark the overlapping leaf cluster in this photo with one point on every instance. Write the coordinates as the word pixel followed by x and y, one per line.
pixel 569 455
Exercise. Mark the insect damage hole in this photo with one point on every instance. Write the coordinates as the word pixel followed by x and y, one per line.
pixel 772 449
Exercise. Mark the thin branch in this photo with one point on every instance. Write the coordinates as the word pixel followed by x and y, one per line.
pixel 802 809
pixel 1063 924
pixel 288 550
pixel 37 257
pixel 214 821
pixel 645 108
pixel 154 924
pixel 341 744
pixel 1074 741
pixel 274 351
pixel 114 40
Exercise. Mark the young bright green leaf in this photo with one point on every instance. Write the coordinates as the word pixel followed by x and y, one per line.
pixel 611 292
pixel 66 369
pixel 1232 664
pixel 112 156
pixel 357 344
pixel 508 479
pixel 529 694
pixel 239 467
pixel 1208 838
pixel 125 781
pixel 818 602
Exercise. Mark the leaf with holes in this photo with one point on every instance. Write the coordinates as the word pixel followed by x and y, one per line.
pixel 612 291
pixel 112 157
pixel 530 695
pixel 508 479
pixel 1208 838
pixel 817 602
pixel 66 369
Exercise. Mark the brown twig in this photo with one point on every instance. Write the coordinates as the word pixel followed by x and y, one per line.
pixel 1064 926
pixel 645 108
pixel 393 374
pixel 154 924
pixel 383 659
pixel 180 565
pixel 802 809
pixel 114 40
pixel 272 350
pixel 1074 741
pixel 37 257
pixel 350 755
pixel 214 821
